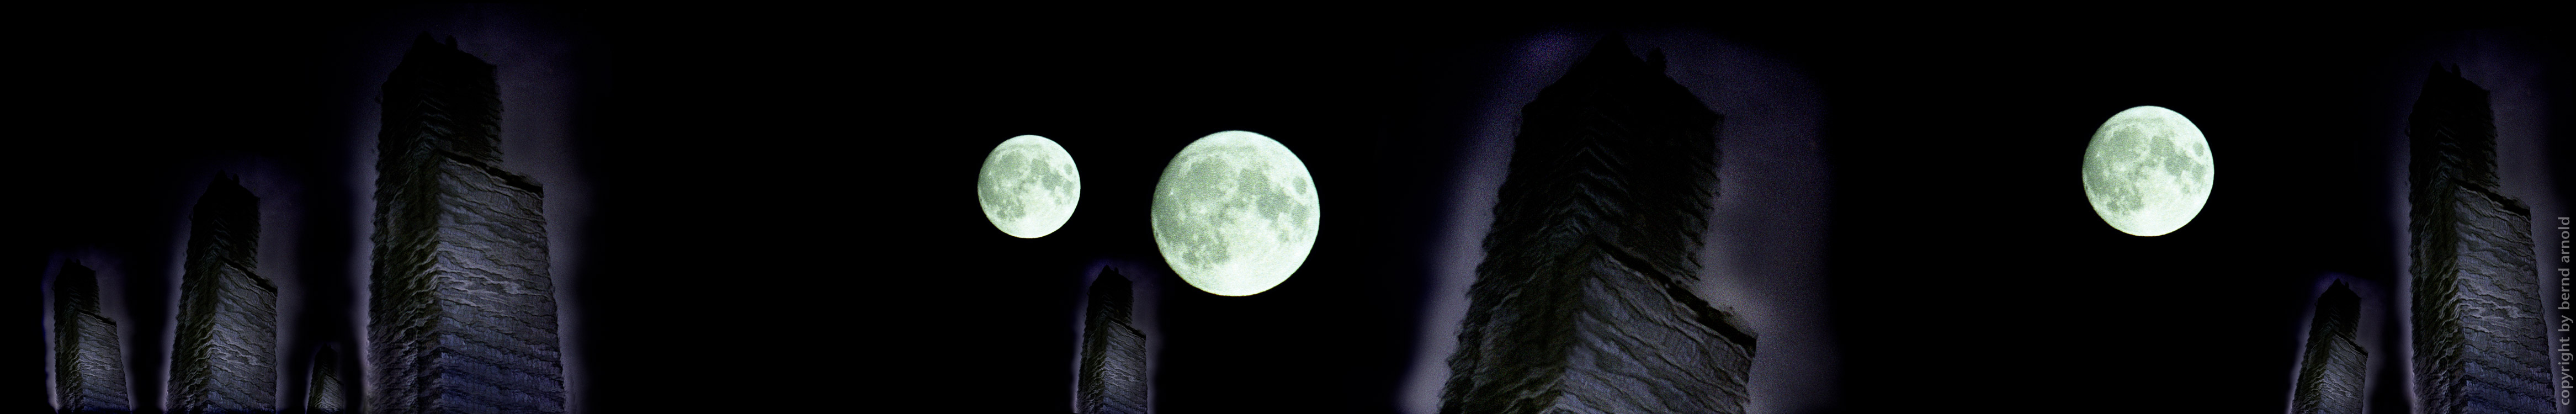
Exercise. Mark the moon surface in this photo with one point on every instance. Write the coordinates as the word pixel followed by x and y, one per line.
pixel 1029 186
pixel 1235 213
pixel 2148 171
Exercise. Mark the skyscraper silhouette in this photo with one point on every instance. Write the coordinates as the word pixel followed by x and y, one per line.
pixel 1584 303
pixel 2478 329
pixel 2332 371
pixel 89 373
pixel 1113 351
pixel 225 359
pixel 462 313
pixel 323 394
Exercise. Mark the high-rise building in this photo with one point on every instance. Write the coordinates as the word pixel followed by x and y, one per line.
pixel 2334 368
pixel 2478 326
pixel 226 353
pixel 89 373
pixel 323 395
pixel 1113 351
pixel 462 312
pixel 1584 302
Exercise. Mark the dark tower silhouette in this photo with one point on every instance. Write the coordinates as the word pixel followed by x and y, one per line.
pixel 226 353
pixel 462 313
pixel 2332 371
pixel 1113 351
pixel 1583 303
pixel 323 396
pixel 89 374
pixel 2478 329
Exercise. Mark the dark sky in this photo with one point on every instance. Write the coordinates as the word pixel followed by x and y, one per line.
pixel 152 104
pixel 1963 248
pixel 780 216
pixel 1962 263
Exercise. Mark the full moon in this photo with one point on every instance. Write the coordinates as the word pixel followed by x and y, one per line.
pixel 2148 171
pixel 1235 213
pixel 1029 186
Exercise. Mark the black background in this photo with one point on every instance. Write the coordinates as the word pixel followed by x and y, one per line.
pixel 783 221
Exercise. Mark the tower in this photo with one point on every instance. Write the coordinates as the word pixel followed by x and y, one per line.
pixel 2334 367
pixel 323 393
pixel 2478 327
pixel 1113 351
pixel 1583 303
pixel 462 310
pixel 89 373
pixel 225 358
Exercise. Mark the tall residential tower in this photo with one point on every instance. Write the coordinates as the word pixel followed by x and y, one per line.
pixel 462 313
pixel 89 373
pixel 1113 351
pixel 2479 332
pixel 2334 368
pixel 225 361
pixel 1584 302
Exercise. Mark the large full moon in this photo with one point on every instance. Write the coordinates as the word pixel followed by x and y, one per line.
pixel 1028 186
pixel 1235 213
pixel 2148 171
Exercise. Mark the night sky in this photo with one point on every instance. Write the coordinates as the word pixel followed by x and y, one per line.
pixel 774 209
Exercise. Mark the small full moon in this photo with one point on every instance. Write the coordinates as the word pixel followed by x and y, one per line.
pixel 2148 171
pixel 1235 213
pixel 1029 186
